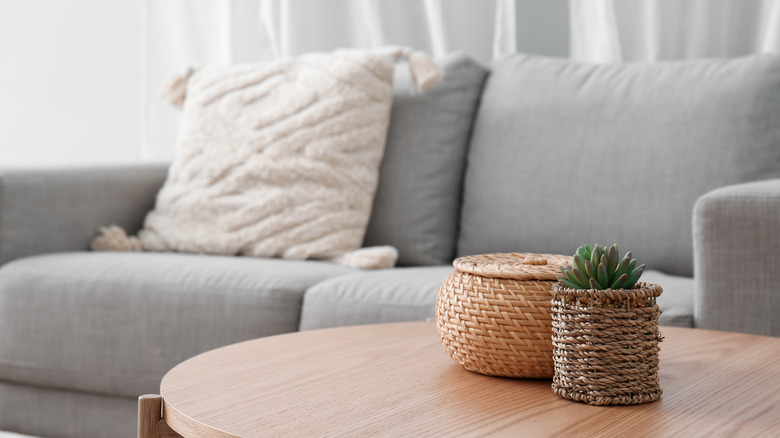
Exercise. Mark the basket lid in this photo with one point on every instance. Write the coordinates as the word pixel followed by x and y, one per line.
pixel 515 265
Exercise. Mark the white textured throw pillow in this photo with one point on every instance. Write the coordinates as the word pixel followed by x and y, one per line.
pixel 278 159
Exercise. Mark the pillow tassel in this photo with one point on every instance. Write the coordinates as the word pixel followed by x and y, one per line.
pixel 374 257
pixel 425 72
pixel 114 238
pixel 175 90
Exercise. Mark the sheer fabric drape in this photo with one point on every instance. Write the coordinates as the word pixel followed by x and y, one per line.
pixel 609 31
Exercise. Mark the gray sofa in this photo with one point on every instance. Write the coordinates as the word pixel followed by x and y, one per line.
pixel 539 155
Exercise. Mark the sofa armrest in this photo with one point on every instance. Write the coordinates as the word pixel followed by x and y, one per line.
pixel 737 258
pixel 50 210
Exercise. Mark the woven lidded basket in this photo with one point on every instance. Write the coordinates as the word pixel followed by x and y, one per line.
pixel 493 313
pixel 605 344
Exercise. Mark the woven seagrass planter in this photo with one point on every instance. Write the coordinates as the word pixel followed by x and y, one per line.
pixel 605 344
pixel 493 313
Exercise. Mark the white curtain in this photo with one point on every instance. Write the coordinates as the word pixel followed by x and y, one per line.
pixel 609 31
pixel 187 32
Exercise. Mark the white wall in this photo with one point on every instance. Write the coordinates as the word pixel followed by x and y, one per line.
pixel 70 81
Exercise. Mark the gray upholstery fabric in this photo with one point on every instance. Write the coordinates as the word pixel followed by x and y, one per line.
pixel 565 153
pixel 417 203
pixel 676 302
pixel 114 323
pixel 50 413
pixel 409 294
pixel 371 297
pixel 52 210
pixel 737 255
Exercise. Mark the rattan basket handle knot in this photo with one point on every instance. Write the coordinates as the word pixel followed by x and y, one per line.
pixel 538 261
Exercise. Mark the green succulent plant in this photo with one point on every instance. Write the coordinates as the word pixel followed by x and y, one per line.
pixel 598 267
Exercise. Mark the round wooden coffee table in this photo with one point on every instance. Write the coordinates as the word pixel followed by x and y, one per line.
pixel 397 380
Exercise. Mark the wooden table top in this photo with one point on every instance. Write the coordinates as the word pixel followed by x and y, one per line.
pixel 397 380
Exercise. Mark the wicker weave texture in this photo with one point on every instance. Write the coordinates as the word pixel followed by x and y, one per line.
pixel 605 345
pixel 497 326
pixel 520 266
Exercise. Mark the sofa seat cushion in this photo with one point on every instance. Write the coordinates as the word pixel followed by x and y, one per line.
pixel 409 294
pixel 676 302
pixel 393 295
pixel 115 323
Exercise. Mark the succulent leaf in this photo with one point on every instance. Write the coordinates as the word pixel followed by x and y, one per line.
pixel 612 258
pixel 595 256
pixel 583 253
pixel 581 277
pixel 623 266
pixel 634 277
pixel 579 262
pixel 619 282
pixel 601 272
pixel 570 277
pixel 570 284
pixel 588 251
pixel 589 268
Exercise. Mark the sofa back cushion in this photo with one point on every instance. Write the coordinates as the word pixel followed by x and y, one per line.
pixel 417 202
pixel 565 153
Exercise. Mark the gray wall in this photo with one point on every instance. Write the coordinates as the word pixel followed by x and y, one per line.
pixel 543 27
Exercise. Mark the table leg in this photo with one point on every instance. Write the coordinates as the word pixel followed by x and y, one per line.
pixel 150 421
